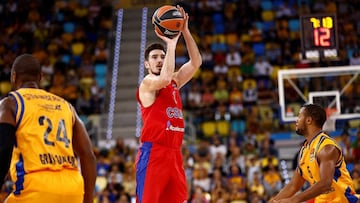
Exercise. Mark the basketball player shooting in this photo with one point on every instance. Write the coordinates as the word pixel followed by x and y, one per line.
pixel 160 174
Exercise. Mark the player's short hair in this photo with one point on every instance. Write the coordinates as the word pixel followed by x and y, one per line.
pixel 26 64
pixel 151 47
pixel 317 112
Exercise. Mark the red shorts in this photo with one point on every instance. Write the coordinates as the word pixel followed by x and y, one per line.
pixel 160 176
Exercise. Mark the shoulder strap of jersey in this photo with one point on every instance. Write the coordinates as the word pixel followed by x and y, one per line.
pixel 325 140
pixel 20 107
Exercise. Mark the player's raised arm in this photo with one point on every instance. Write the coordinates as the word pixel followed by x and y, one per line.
pixel 187 71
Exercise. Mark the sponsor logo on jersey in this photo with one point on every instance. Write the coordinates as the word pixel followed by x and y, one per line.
pixel 170 127
pixel 174 112
pixel 312 154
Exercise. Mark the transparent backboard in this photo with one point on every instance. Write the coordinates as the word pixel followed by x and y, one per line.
pixel 337 89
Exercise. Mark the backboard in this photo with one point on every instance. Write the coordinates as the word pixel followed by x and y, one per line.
pixel 337 89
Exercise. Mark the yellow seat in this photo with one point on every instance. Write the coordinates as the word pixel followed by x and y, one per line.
pixel 266 117
pixel 207 75
pixel 208 39
pixel 231 38
pixel 208 128
pixel 268 15
pixel 274 74
pixel 234 72
pixel 245 38
pixel 249 83
pixel 218 38
pixel 223 127
pixel 5 87
pixel 265 111
pixel 354 123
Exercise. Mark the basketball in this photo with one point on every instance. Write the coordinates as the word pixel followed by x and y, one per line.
pixel 168 21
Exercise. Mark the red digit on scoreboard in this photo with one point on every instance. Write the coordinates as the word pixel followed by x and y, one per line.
pixel 322 37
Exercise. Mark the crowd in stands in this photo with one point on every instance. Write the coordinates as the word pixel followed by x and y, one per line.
pixel 243 45
pixel 232 103
pixel 217 170
pixel 69 38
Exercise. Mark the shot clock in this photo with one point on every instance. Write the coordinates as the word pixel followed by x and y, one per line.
pixel 319 37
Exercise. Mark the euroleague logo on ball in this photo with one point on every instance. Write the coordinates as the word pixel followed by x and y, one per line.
pixel 168 21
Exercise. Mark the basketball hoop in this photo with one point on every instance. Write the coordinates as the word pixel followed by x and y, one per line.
pixel 330 122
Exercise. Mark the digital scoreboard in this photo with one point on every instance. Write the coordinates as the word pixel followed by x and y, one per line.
pixel 319 40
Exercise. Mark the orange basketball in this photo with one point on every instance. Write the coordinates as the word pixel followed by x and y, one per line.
pixel 168 20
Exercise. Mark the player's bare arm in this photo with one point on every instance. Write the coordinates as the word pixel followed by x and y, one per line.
pixel 327 159
pixel 290 189
pixel 187 71
pixel 83 149
pixel 152 83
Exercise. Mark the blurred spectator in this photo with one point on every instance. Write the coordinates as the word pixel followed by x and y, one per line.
pixel 58 83
pixel 356 146
pixel 345 145
pixel 221 69
pixel 355 174
pixel 272 181
pixel 250 94
pixel 355 59
pixel 207 56
pixel 236 157
pixel 218 181
pixel 236 102
pixel 233 57
pixel 237 184
pixel 103 165
pixel 256 185
pixel 263 69
pixel 221 93
pixel 194 97
pixel 114 175
pixel 199 196
pixel 207 97
pixel 222 114
pixel 201 179
pixel 217 147
pixel 129 181
pixel 285 11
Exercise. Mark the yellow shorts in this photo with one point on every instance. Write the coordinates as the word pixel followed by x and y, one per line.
pixel 46 186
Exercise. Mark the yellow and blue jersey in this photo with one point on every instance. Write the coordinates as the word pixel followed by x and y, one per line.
pixel 342 189
pixel 44 130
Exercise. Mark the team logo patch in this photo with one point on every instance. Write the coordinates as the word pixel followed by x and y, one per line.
pixel 312 154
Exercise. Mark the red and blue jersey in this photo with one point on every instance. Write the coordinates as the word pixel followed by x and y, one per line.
pixel 159 160
pixel 163 121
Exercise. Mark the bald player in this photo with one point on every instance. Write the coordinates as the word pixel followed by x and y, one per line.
pixel 41 141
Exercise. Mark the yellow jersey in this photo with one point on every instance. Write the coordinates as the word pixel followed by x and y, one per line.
pixel 342 189
pixel 43 148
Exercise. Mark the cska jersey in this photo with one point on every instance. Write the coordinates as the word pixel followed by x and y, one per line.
pixel 342 189
pixel 163 120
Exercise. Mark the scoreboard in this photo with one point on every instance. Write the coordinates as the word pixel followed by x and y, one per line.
pixel 319 40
